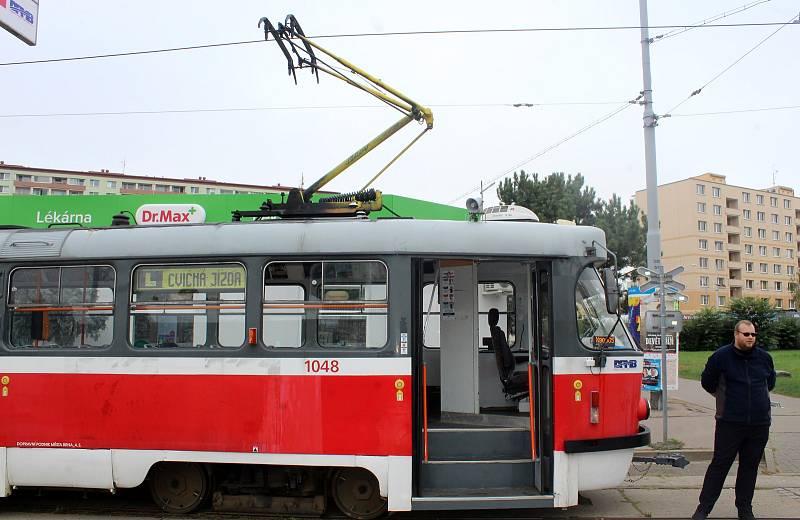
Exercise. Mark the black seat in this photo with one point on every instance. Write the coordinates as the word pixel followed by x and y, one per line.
pixel 515 383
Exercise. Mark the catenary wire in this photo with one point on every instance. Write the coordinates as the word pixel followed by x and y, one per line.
pixel 551 147
pixel 740 111
pixel 395 33
pixel 307 107
pixel 729 67
pixel 706 21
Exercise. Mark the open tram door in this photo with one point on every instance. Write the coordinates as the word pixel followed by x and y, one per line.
pixel 478 444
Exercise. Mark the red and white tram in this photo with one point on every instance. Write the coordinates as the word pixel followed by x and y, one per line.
pixel 277 365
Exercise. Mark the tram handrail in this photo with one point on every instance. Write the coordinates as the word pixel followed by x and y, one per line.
pixel 530 411
pixel 425 410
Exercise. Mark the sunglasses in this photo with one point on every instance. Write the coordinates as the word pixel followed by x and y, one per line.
pixel 747 334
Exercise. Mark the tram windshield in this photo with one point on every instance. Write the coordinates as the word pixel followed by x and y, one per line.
pixel 596 326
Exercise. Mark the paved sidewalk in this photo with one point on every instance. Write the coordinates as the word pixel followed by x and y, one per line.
pixel 662 492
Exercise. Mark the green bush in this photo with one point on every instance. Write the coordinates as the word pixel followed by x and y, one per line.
pixel 786 333
pixel 707 330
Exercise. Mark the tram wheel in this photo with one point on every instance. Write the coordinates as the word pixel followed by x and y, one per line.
pixel 179 487
pixel 357 494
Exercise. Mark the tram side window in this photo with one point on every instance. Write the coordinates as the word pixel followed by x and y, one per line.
pixel 62 307
pixel 343 304
pixel 188 306
pixel 498 295
pixel 596 326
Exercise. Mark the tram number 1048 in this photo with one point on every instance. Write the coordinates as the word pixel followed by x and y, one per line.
pixel 315 366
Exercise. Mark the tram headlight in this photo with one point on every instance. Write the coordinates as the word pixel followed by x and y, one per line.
pixel 643 410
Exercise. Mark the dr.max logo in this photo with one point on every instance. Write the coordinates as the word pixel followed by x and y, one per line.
pixel 625 363
pixel 170 214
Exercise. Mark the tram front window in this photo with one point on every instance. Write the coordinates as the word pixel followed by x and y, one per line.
pixel 596 326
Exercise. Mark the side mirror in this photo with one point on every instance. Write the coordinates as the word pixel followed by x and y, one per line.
pixel 609 277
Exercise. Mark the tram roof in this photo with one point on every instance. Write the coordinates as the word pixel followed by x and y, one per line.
pixel 289 237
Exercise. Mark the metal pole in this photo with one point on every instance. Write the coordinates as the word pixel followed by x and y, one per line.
pixel 653 230
pixel 663 330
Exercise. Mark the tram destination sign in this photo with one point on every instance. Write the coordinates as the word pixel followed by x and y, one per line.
pixel 190 278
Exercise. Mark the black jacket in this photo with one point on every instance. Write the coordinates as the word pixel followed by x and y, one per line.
pixel 741 382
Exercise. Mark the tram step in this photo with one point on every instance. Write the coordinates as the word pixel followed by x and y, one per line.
pixel 438 475
pixel 479 444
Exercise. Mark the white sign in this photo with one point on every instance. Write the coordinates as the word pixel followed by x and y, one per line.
pixel 447 294
pixel 20 18
pixel 161 214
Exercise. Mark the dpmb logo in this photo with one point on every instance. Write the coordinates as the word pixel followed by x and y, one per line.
pixel 170 214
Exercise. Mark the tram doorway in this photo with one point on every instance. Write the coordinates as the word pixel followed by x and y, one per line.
pixel 476 426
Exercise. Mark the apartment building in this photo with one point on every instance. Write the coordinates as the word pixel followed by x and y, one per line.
pixel 732 241
pixel 24 180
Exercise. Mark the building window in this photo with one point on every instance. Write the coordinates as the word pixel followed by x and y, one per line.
pixel 41 178
pixel 774 217
pixel 760 216
pixel 720 281
pixel 75 182
pixel 776 269
pixel 58 192
pixel 789 253
pixel 703 244
pixel 748 266
pixel 22 191
pixel 162 188
pixel 225 192
pixel 776 235
pixel 704 299
pixel 717 227
pixel 717 209
pixel 787 204
pixel 762 250
pixel 39 191
pixel 746 214
pixel 94 183
pixel 128 186
pixel 760 200
pixel 773 201
pixel 177 189
pixel 776 252
pixel 700 189
pixel 701 207
pixel 762 233
pixel 717 245
pixel 703 262
pixel 704 281
pixel 194 189
pixel 702 225
pixel 748 284
pixel 788 237
pixel 763 268
pixel 24 178
pixel 111 185
pixel 787 221
pixel 745 196
pixel 790 270
pixel 715 192
pixel 764 285
pixel 720 301
pixel 748 249
pixel 720 264
pixel 210 190
pixel 4 176
pixel 4 189
pixel 748 231
pixel 792 304
pixel 778 303
pixel 779 286
pixel 145 187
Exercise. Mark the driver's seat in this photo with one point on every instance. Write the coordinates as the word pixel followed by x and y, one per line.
pixel 515 384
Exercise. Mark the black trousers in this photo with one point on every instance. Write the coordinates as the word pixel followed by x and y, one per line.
pixel 731 439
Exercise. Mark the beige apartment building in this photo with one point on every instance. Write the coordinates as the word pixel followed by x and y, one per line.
pixel 732 241
pixel 24 180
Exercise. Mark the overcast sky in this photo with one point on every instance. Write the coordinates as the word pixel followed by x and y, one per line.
pixel 468 144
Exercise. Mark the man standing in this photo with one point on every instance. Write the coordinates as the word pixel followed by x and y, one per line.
pixel 740 376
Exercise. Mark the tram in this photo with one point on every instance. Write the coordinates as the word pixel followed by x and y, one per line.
pixel 281 364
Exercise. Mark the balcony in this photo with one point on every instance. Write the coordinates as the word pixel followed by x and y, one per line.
pixel 732 205
pixel 736 292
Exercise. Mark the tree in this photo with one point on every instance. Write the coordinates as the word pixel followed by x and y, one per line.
pixel 555 197
pixel 707 330
pixel 566 197
pixel 758 311
pixel 787 333
pixel 625 235
pixel 794 288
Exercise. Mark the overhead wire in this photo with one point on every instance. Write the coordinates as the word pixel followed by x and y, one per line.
pixel 740 111
pixel 706 21
pixel 695 92
pixel 551 147
pixel 387 34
